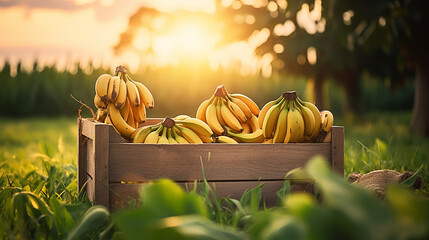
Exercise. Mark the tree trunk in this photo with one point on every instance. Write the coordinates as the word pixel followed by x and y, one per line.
pixel 318 91
pixel 420 120
pixel 353 91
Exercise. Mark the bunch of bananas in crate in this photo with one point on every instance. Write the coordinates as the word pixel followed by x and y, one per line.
pixel 182 129
pixel 121 101
pixel 289 119
pixel 232 117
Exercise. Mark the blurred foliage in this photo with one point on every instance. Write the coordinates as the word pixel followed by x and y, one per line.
pixel 45 91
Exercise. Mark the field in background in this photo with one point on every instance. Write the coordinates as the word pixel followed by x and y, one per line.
pixel 376 141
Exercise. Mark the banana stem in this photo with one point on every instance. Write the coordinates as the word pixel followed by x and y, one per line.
pixel 168 122
pixel 291 95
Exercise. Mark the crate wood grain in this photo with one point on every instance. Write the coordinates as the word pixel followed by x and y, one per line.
pixel 112 170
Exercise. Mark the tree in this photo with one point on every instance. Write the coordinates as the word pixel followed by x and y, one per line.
pixel 336 40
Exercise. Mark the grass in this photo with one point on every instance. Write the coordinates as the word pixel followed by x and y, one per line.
pixel 38 196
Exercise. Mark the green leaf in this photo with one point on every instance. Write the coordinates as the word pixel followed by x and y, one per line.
pixel 252 198
pixel 411 180
pixel 283 192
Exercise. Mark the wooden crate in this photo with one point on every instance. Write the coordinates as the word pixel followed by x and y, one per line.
pixel 112 170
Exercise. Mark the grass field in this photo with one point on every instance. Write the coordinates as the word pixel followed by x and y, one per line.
pixel 39 195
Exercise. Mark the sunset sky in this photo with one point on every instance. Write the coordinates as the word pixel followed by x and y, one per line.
pixel 62 31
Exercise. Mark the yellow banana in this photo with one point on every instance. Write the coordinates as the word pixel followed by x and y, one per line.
pixel 253 123
pixel 177 137
pixel 270 119
pixel 218 111
pixel 101 115
pixel 154 135
pixel 170 138
pixel 181 117
pixel 270 140
pixel 119 123
pixel 246 127
pixel 139 113
pixel 212 120
pixel 281 128
pixel 189 135
pixel 255 137
pixel 145 95
pixel 98 103
pixel 236 110
pixel 133 93
pixel 199 127
pixel 125 110
pixel 244 108
pixel 140 134
pixel 201 111
pixel 249 102
pixel 225 139
pixel 317 118
pixel 108 121
pixel 131 119
pixel 309 121
pixel 229 117
pixel 295 124
pixel 265 109
pixel 122 95
pixel 327 120
pixel 163 138
pixel 102 86
pixel 113 90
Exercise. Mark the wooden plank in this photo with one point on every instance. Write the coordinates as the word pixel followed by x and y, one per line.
pixel 90 170
pixel 337 146
pixel 81 156
pixel 101 164
pixel 121 194
pixel 142 162
pixel 87 128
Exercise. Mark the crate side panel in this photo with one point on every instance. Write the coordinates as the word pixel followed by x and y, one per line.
pixel 143 162
pixel 123 193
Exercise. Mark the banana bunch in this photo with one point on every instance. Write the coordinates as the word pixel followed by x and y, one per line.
pixel 121 101
pixel 235 111
pixel 289 119
pixel 182 129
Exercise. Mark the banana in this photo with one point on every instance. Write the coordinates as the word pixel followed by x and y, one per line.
pixel 140 134
pixel 177 137
pixel 270 140
pixel 265 109
pixel 281 128
pixel 309 121
pixel 189 135
pixel 139 113
pixel 102 86
pixel 196 125
pixel 255 137
pixel 218 111
pixel 119 123
pixel 133 93
pixel 225 139
pixel 125 110
pixel 113 90
pixel 295 125
pixel 108 121
pixel 201 111
pixel 170 138
pixel 317 118
pixel 98 103
pixel 249 102
pixel 244 108
pixel 101 115
pixel 327 120
pixel 145 95
pixel 270 119
pixel 236 110
pixel 163 138
pixel 246 127
pixel 131 119
pixel 154 135
pixel 212 119
pixel 253 123
pixel 181 117
pixel 122 95
pixel 229 117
